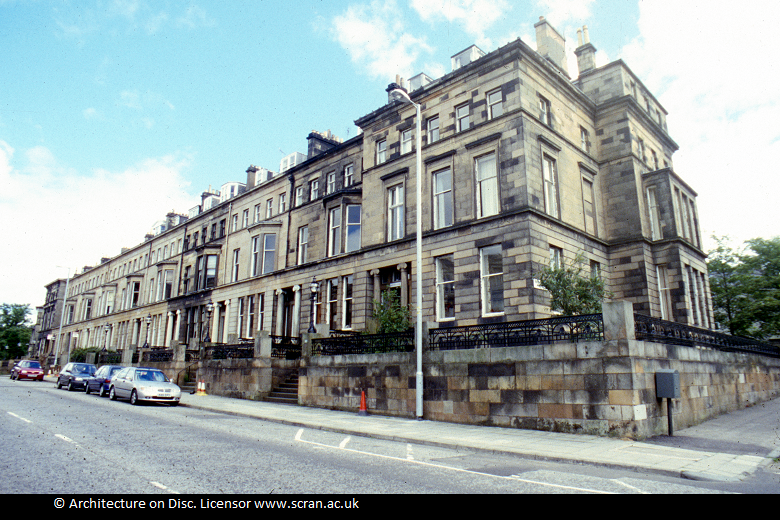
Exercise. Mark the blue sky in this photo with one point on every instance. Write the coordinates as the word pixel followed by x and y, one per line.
pixel 114 112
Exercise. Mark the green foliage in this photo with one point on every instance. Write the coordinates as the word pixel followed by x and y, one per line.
pixel 15 331
pixel 572 293
pixel 745 287
pixel 390 316
pixel 79 355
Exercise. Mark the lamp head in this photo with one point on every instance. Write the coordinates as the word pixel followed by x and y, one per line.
pixel 397 93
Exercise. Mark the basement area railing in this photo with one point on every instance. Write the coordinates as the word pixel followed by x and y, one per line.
pixel 363 344
pixel 240 350
pixel 519 333
pixel 157 356
pixel 661 331
pixel 285 347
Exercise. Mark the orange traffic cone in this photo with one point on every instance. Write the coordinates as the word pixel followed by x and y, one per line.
pixel 201 388
pixel 363 407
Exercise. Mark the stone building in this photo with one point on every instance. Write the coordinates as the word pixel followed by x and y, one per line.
pixel 43 339
pixel 523 166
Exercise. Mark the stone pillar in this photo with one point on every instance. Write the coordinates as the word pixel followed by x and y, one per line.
pixel 404 285
pixel 179 354
pixel 280 312
pixel 127 357
pixel 618 320
pixel 136 330
pixel 296 324
pixel 263 344
pixel 168 329
pixel 377 285
pixel 181 329
pixel 227 322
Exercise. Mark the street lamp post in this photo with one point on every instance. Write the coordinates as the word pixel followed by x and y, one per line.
pixel 148 322
pixel 209 310
pixel 399 93
pixel 106 328
pixel 314 286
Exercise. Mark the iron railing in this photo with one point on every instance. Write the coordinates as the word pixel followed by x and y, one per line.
pixel 157 356
pixel 661 331
pixel 243 350
pixel 109 358
pixel 286 347
pixel 363 344
pixel 588 327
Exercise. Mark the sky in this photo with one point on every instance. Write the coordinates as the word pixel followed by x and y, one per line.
pixel 116 112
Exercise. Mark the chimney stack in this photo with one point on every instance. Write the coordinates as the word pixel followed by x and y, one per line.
pixel 586 52
pixel 551 45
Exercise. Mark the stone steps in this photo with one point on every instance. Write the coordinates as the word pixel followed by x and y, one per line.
pixel 287 392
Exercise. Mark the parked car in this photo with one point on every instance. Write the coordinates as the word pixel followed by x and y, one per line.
pixel 27 369
pixel 101 381
pixel 140 384
pixel 75 375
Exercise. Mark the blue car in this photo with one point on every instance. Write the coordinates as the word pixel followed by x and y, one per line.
pixel 75 376
pixel 100 382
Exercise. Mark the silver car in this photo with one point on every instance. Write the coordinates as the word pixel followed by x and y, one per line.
pixel 140 384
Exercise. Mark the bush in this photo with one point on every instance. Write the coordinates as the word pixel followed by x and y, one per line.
pixel 79 355
pixel 571 292
pixel 390 315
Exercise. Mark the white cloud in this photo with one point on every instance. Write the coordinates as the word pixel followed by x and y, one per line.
pixel 712 69
pixel 562 12
pixel 194 16
pixel 56 216
pixel 475 17
pixel 124 8
pixel 375 38
pixel 130 99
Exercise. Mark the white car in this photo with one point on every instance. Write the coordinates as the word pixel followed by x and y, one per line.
pixel 139 384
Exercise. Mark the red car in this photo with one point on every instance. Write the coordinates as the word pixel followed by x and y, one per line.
pixel 27 369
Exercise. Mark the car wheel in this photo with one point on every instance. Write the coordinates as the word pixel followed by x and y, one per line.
pixel 59 384
pixel 112 394
pixel 134 398
pixel 70 386
pixel 86 389
pixel 102 391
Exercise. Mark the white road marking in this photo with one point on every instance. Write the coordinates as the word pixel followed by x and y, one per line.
pixel 409 455
pixel 19 417
pixel 66 439
pixel 344 443
pixel 163 487
pixel 298 437
pixel 630 487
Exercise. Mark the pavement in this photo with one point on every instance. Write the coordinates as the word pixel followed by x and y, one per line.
pixel 729 448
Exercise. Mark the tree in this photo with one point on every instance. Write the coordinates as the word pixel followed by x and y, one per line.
pixel 728 285
pixel 15 330
pixel 390 316
pixel 746 287
pixel 571 292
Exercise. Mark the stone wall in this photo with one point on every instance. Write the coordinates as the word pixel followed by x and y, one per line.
pixel 602 388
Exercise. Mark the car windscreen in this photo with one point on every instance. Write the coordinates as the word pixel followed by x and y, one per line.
pixel 82 369
pixel 151 375
pixel 33 364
